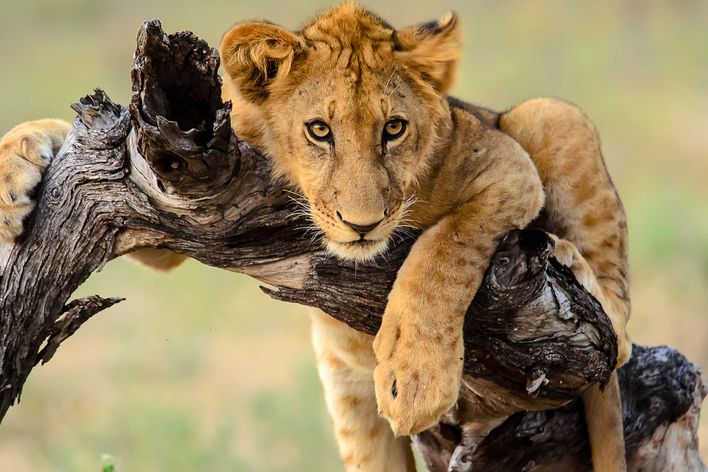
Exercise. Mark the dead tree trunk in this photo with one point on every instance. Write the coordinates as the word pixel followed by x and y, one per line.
pixel 168 172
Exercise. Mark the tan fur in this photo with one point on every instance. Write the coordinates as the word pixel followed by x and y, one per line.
pixel 470 182
pixel 158 259
pixel 345 360
pixel 24 153
pixel 460 173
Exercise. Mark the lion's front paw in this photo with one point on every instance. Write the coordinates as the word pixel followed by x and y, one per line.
pixel 23 157
pixel 417 380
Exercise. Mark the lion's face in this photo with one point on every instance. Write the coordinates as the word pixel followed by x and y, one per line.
pixel 351 123
pixel 354 145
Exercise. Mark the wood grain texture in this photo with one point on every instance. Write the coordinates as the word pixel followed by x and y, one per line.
pixel 168 172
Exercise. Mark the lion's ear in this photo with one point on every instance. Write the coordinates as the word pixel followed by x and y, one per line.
pixel 256 55
pixel 432 49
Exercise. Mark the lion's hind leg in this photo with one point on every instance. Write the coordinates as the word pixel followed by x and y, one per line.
pixel 603 411
pixel 582 204
pixel 584 210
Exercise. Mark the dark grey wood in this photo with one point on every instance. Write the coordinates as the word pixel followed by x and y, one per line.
pixel 168 172
pixel 661 394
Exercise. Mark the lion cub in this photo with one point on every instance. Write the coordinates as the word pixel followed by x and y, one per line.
pixel 354 114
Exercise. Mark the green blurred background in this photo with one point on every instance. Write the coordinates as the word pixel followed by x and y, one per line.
pixel 198 370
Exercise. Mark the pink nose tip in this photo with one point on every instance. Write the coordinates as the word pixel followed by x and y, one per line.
pixel 362 230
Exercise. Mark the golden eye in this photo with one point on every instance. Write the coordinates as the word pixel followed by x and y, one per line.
pixel 394 129
pixel 319 131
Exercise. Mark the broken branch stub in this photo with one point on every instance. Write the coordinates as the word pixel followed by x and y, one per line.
pixel 185 130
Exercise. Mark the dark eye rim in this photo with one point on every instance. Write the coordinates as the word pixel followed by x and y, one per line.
pixel 390 137
pixel 321 139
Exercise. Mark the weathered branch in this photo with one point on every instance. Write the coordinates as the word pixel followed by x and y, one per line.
pixel 169 173
pixel 661 394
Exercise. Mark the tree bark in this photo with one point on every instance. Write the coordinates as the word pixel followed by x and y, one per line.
pixel 168 172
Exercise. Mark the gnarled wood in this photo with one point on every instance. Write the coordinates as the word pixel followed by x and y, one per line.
pixel 169 173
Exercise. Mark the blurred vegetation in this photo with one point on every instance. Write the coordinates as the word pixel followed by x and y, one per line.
pixel 198 370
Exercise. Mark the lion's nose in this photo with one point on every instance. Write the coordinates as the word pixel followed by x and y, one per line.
pixel 362 230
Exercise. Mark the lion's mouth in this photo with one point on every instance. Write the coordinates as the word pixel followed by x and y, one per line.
pixel 358 250
pixel 365 242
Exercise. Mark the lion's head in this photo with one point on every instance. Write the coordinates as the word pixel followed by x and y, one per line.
pixel 350 111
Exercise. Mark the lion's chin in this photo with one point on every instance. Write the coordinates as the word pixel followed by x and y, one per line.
pixel 359 251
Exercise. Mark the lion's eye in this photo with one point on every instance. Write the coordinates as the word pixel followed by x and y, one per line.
pixel 394 129
pixel 319 131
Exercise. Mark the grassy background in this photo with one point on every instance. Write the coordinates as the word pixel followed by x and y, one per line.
pixel 198 370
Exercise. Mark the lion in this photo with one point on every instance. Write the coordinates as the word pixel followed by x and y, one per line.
pixel 356 118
